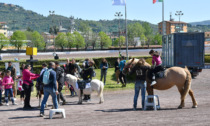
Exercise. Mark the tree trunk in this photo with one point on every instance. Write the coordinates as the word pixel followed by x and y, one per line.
pixel 61 49
pixel 77 47
pixel 18 50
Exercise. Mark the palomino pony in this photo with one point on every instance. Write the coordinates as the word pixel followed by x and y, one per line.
pixel 96 85
pixel 174 76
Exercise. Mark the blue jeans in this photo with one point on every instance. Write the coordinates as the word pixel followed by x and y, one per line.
pixel 140 85
pixel 47 92
pixel 10 92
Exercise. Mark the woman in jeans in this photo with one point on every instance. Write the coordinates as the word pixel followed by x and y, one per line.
pixel 140 84
pixel 104 67
pixel 27 84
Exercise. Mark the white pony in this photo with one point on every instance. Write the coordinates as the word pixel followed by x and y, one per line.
pixel 96 85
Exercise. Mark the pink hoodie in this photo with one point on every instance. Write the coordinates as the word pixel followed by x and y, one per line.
pixel 156 60
pixel 1 85
pixel 6 81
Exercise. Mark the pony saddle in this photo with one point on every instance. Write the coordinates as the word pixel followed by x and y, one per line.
pixel 82 84
pixel 160 74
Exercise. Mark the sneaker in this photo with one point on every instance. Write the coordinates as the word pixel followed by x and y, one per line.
pixel 41 115
pixel 14 99
pixel 134 108
pixel 14 104
pixel 153 83
pixel 7 104
pixel 64 102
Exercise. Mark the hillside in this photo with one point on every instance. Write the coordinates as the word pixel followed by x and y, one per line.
pixel 201 23
pixel 18 18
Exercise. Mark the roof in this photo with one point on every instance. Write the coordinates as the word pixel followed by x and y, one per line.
pixel 2 22
pixel 175 22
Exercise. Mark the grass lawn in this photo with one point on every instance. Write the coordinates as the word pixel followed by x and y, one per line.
pixel 111 83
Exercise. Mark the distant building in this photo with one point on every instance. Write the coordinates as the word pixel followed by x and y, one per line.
pixel 3 28
pixel 207 38
pixel 48 38
pixel 172 27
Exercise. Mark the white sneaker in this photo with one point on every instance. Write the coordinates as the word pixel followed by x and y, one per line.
pixel 7 104
pixel 14 99
pixel 153 83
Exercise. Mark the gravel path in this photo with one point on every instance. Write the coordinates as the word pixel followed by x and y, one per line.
pixel 117 110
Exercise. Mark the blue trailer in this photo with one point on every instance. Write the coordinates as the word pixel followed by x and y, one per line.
pixel 184 49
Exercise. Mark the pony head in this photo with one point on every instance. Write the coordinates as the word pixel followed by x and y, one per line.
pixel 130 64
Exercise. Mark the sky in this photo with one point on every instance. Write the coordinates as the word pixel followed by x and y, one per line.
pixel 145 10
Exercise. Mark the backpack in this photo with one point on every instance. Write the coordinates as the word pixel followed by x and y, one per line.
pixel 46 77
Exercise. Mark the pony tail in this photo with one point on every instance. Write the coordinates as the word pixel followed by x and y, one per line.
pixel 187 85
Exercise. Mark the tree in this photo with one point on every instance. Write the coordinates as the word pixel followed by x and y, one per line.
pixel 3 41
pixel 37 40
pixel 70 40
pixel 148 29
pixel 105 41
pixel 79 40
pixel 17 39
pixel 143 40
pixel 94 40
pixel 61 41
pixel 157 39
pixel 54 30
pixel 122 41
pixel 134 30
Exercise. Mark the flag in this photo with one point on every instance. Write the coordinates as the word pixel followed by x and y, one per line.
pixel 154 1
pixel 119 2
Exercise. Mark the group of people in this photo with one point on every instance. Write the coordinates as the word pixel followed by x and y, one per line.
pixel 56 77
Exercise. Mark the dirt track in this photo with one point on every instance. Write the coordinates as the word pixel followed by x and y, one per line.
pixel 117 110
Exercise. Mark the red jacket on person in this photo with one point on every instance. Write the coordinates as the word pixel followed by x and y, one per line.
pixel 28 76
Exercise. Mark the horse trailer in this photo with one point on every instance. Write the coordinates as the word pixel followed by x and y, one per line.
pixel 184 49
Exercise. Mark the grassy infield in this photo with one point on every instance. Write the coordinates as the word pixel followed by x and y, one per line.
pixel 111 83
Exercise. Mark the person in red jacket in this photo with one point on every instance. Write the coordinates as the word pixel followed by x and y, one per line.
pixel 27 84
pixel 8 82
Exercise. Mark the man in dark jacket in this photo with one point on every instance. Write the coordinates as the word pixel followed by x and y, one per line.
pixel 49 89
pixel 60 79
pixel 140 84
pixel 117 69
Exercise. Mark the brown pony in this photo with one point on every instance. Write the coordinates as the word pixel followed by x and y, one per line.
pixel 180 77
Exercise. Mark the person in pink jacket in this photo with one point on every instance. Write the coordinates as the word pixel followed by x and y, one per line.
pixel 8 82
pixel 157 65
pixel 27 85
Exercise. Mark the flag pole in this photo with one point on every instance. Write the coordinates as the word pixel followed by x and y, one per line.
pixel 126 32
pixel 163 24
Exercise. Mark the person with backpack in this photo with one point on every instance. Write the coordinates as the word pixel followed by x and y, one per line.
pixel 60 79
pixel 122 76
pixel 28 84
pixel 104 67
pixel 87 75
pixel 48 78
pixel 13 75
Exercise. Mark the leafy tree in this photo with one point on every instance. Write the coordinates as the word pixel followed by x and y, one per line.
pixel 79 40
pixel 54 30
pixel 143 40
pixel 3 41
pixel 70 40
pixel 17 39
pixel 83 27
pixel 148 29
pixel 134 30
pixel 37 40
pixel 29 29
pixel 105 41
pixel 94 40
pixel 157 39
pixel 122 41
pixel 61 40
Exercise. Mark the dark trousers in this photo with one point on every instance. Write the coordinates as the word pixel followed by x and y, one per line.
pixel 27 90
pixel 0 96
pixel 60 95
pixel 103 75
pixel 122 78
pixel 155 70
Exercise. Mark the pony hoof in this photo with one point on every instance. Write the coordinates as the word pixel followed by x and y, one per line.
pixel 101 102
pixel 194 106
pixel 180 107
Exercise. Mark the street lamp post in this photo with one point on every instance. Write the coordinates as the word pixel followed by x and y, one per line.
pixel 179 13
pixel 52 13
pixel 119 15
